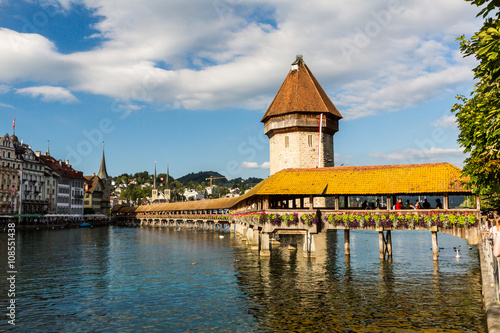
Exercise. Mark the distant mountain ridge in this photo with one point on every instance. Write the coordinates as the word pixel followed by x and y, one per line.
pixel 202 177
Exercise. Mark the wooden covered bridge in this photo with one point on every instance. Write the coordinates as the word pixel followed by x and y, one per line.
pixel 309 201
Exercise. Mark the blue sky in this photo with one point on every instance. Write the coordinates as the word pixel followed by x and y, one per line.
pixel 187 82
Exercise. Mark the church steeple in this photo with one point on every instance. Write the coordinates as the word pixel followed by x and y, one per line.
pixel 166 191
pixel 167 187
pixel 103 174
pixel 154 191
pixel 154 179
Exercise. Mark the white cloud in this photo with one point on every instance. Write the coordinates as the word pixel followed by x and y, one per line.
pixel 3 105
pixel 409 156
pixel 254 165
pixel 446 121
pixel 49 94
pixel 4 88
pixel 224 53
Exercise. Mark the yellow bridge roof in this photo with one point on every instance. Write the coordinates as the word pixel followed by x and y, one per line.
pixel 222 203
pixel 429 178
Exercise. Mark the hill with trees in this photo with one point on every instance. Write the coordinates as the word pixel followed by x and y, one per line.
pixel 203 176
pixel 140 185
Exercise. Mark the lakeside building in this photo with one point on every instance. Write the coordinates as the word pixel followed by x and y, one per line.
pixel 98 190
pixel 50 192
pixel 69 186
pixel 94 188
pixel 10 176
pixel 32 183
pixel 32 180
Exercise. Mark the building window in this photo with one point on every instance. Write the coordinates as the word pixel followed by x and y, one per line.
pixel 287 142
pixel 310 140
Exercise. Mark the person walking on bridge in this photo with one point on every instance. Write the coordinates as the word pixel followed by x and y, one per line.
pixel 495 230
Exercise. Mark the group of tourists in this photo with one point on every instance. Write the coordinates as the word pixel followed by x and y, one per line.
pixel 399 205
pixel 493 231
pixel 418 205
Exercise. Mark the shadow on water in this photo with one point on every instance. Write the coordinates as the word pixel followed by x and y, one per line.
pixel 160 279
pixel 361 293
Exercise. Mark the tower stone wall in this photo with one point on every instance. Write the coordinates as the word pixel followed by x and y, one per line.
pixel 300 150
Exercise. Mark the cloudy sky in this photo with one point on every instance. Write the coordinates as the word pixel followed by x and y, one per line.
pixel 187 82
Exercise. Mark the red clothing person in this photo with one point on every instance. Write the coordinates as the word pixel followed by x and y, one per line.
pixel 399 204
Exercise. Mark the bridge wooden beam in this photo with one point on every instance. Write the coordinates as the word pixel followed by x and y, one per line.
pixel 265 245
pixel 347 242
pixel 435 248
pixel 384 243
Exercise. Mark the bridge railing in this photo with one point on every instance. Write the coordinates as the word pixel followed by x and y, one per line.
pixel 492 263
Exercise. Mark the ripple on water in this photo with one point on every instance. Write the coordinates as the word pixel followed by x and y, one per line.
pixel 128 280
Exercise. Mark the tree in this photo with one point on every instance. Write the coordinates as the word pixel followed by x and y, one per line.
pixel 478 117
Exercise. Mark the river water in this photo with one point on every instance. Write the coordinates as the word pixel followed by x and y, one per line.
pixel 162 280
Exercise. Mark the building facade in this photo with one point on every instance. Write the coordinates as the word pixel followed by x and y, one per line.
pixel 98 191
pixel 94 188
pixel 32 192
pixel 32 183
pixel 64 188
pixel 10 173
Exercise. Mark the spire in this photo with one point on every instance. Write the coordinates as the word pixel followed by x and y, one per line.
pixel 300 93
pixel 167 185
pixel 103 174
pixel 47 153
pixel 154 179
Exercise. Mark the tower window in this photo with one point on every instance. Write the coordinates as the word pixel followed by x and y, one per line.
pixel 287 141
pixel 310 140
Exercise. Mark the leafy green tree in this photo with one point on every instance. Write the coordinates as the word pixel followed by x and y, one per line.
pixel 478 116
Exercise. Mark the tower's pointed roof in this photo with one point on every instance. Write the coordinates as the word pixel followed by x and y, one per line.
pixel 103 174
pixel 300 93
pixel 154 179
pixel 167 186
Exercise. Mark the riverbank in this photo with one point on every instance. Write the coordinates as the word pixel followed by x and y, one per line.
pixel 492 308
pixel 52 225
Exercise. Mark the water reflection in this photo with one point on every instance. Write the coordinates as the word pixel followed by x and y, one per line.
pixel 127 280
pixel 361 293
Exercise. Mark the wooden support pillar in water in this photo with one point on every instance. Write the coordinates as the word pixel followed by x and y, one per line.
pixel 384 244
pixel 388 244
pixel 249 240
pixel 264 245
pixel 255 241
pixel 309 248
pixel 435 248
pixel 347 244
pixel 381 243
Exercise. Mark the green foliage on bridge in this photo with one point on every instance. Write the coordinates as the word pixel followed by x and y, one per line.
pixel 478 116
